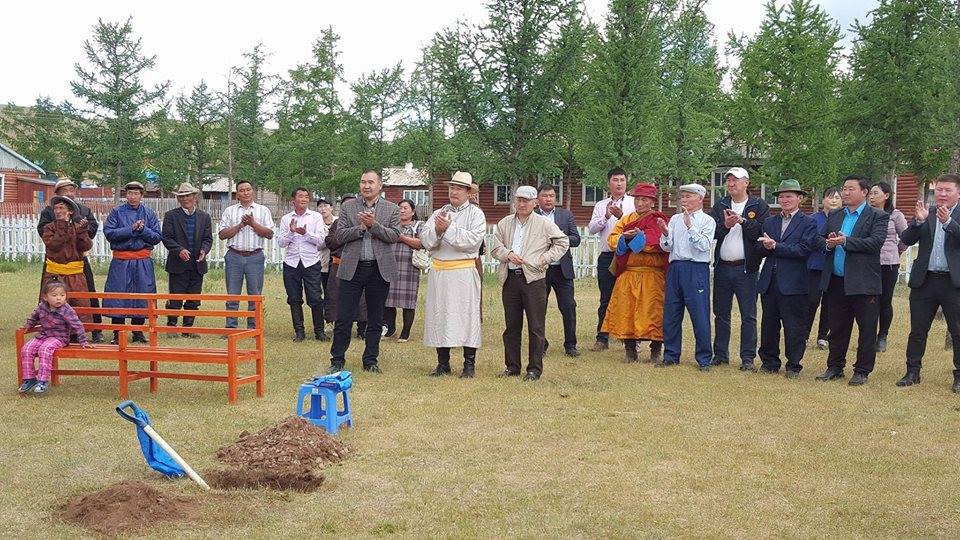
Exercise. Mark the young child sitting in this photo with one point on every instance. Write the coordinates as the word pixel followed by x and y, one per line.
pixel 57 321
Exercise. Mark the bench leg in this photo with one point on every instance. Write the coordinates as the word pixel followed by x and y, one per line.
pixel 232 380
pixel 55 371
pixel 260 375
pixel 123 379
pixel 154 382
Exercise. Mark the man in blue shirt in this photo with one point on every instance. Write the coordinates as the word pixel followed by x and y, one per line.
pixel 851 279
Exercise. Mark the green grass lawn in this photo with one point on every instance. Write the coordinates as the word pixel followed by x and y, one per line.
pixel 597 448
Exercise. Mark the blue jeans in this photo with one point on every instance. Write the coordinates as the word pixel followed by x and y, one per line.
pixel 688 286
pixel 730 281
pixel 237 269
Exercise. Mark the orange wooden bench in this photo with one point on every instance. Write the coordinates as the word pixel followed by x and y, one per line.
pixel 137 362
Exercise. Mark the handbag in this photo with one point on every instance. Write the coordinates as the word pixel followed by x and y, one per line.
pixel 421 257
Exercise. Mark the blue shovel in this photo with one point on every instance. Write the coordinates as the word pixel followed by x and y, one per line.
pixel 160 456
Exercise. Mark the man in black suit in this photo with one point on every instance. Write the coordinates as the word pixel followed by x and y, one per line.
pixel 188 236
pixel 851 278
pixel 935 279
pixel 786 242
pixel 560 274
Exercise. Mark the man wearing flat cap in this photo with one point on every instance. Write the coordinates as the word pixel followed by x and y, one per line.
pixel 787 241
pixel 188 236
pixel 132 230
pixel 453 236
pixel 688 238
pixel 739 217
pixel 83 217
pixel 525 244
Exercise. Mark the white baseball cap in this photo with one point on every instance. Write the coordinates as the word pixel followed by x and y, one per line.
pixel 739 172
pixel 526 192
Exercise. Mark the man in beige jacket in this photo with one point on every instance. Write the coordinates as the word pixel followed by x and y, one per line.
pixel 525 244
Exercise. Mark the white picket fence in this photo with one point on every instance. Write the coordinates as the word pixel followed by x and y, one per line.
pixel 19 240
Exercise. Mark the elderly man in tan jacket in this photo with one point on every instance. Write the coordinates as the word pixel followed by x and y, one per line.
pixel 526 243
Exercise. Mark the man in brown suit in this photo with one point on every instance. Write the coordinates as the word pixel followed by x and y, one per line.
pixel 526 243
pixel 367 229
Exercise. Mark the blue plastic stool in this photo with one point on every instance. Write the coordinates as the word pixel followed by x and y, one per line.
pixel 323 393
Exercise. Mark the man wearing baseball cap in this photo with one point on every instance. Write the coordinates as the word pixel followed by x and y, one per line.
pixel 739 217
pixel 525 243
pixel 688 239
pixel 84 216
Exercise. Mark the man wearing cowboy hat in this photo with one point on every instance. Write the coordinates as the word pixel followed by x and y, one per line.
pixel 525 244
pixel 84 216
pixel 132 230
pixel 786 241
pixel 300 234
pixel 453 236
pixel 688 239
pixel 188 236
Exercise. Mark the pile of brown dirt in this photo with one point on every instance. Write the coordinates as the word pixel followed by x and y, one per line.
pixel 282 457
pixel 127 506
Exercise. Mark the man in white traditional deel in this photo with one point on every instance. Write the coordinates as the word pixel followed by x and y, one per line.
pixel 453 236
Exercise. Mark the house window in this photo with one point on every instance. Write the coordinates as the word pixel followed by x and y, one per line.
pixel 2 186
pixel 501 194
pixel 718 185
pixel 766 193
pixel 418 196
pixel 591 195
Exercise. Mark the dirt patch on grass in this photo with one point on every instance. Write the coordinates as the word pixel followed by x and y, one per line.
pixel 282 457
pixel 127 506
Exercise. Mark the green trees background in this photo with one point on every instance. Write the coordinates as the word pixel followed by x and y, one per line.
pixel 535 91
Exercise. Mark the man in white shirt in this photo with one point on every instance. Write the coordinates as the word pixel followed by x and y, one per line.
pixel 739 217
pixel 688 239
pixel 246 226
pixel 605 216
pixel 301 233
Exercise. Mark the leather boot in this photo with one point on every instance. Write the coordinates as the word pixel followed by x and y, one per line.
pixel 138 337
pixel 443 362
pixel 630 350
pixel 296 314
pixel 469 363
pixel 172 321
pixel 656 351
pixel 96 336
pixel 911 378
pixel 316 312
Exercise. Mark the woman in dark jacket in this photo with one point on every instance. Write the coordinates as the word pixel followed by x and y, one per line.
pixel 831 201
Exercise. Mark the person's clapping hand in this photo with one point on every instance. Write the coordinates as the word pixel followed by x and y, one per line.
pixel 631 233
pixel 442 221
pixel 943 214
pixel 922 211
pixel 768 243
pixel 662 225
pixel 835 239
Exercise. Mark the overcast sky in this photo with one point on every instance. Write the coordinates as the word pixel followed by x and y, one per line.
pixel 201 40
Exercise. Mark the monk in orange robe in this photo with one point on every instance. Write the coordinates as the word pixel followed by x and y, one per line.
pixel 635 312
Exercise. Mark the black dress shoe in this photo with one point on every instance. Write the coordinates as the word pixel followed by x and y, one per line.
pixel 829 375
pixel 666 364
pixel 956 387
pixel 792 374
pixel 910 379
pixel 138 337
pixel 767 371
pixel 321 336
pixel 373 368
pixel 508 373
pixel 298 337
pixel 573 353
pixel 96 336
pixel 882 344
pixel 858 379
pixel 531 376
pixel 719 361
pixel 746 366
pixel 334 368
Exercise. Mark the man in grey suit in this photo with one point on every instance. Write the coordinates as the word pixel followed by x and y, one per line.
pixel 368 228
pixel 935 279
pixel 560 274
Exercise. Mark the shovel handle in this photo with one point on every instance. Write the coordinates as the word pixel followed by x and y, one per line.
pixel 129 404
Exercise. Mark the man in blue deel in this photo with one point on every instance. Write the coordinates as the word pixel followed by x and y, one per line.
pixel 132 230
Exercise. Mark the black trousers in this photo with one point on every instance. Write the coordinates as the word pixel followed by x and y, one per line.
pixel 844 310
pixel 937 291
pixel 366 281
pixel 563 288
pixel 888 280
pixel 521 298
pixel 91 287
pixel 790 311
pixel 303 279
pixel 606 281
pixel 189 282
pixel 816 299
pixel 390 321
